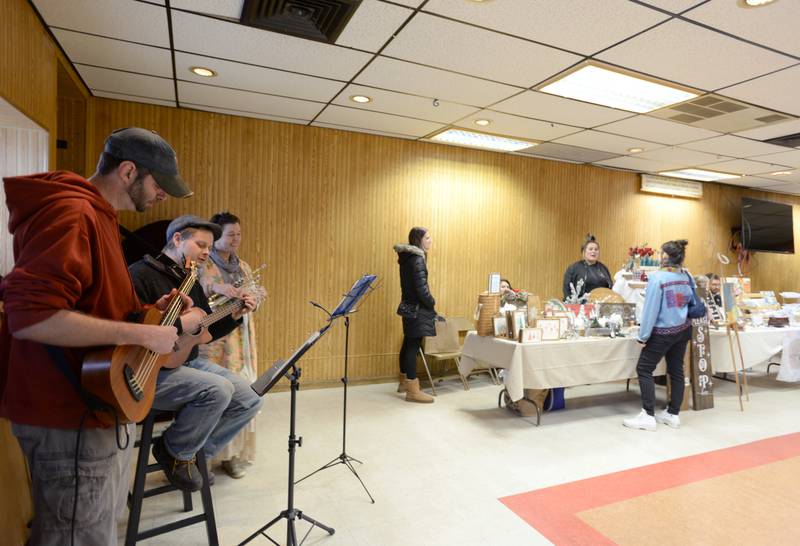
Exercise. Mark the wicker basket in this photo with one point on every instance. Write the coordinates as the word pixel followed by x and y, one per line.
pixel 489 306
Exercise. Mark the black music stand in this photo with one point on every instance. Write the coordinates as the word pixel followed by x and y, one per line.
pixel 289 369
pixel 347 306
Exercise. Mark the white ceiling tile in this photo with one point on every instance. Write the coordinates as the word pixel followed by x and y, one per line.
pixel 113 81
pixel 352 117
pixel 110 53
pixel 716 60
pixel 568 24
pixel 767 26
pixel 779 91
pixel 409 3
pixel 681 157
pixel 562 152
pixel 130 98
pixel 772 131
pixel 605 142
pixel 241 113
pixel 674 6
pixel 548 107
pixel 454 46
pixel 791 188
pixel 217 38
pixel 134 21
pixel 515 126
pixel 372 25
pixel 793 176
pixel 790 157
pixel 746 182
pixel 743 166
pixel 638 164
pixel 734 146
pixel 255 78
pixel 401 104
pixel 430 82
pixel 359 130
pixel 656 130
pixel 221 8
pixel 219 97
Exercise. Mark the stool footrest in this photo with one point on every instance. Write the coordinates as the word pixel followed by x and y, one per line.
pixel 161 529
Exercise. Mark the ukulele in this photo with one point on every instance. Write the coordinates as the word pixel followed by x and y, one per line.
pixel 124 377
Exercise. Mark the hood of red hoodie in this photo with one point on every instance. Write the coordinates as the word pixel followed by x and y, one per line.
pixel 26 195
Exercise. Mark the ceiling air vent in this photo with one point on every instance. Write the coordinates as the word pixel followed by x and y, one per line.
pixel 790 141
pixel 720 114
pixel 319 20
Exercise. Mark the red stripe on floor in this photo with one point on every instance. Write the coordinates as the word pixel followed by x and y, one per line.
pixel 552 510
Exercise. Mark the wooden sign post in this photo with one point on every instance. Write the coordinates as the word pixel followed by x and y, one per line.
pixel 701 373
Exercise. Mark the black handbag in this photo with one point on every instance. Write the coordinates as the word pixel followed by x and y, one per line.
pixel 697 309
pixel 407 310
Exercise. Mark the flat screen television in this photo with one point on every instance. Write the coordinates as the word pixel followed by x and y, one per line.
pixel 767 226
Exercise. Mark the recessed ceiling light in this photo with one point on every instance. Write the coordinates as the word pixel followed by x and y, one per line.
pixel 203 71
pixel 482 140
pixel 612 87
pixel 699 174
pixel 780 173
pixel 754 3
pixel 362 99
pixel 635 150
pixel 483 122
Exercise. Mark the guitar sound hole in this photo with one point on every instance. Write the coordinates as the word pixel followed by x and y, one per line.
pixel 133 385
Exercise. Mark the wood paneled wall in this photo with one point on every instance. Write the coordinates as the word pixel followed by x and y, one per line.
pixel 322 206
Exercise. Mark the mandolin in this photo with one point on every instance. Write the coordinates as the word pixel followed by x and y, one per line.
pixel 124 377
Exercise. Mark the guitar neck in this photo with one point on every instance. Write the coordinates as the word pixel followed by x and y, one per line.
pixel 176 303
pixel 223 311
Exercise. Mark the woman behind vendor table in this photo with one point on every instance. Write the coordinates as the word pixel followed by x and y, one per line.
pixel 588 269
pixel 665 330
pixel 236 351
pixel 416 308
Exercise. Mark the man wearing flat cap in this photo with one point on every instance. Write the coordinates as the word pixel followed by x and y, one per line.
pixel 212 403
pixel 69 292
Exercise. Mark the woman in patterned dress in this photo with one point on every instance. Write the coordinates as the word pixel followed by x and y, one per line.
pixel 222 275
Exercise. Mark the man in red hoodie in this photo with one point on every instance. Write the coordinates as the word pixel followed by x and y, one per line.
pixel 70 291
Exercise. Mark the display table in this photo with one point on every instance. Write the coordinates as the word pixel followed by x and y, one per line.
pixel 758 345
pixel 564 363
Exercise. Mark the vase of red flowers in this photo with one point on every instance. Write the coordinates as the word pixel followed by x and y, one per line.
pixel 639 256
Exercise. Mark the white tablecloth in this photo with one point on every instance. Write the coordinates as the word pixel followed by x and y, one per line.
pixel 758 345
pixel 553 363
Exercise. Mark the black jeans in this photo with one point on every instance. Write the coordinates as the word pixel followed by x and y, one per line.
pixel 408 356
pixel 672 347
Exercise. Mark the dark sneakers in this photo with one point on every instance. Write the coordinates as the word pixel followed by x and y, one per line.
pixel 182 474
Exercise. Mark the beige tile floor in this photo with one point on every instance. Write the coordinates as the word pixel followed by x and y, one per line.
pixel 436 471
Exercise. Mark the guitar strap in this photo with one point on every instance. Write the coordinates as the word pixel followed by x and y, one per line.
pixel 92 402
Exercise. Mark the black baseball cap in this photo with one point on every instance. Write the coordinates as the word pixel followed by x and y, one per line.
pixel 191 221
pixel 148 150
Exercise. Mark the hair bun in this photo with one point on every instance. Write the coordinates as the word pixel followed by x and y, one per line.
pixel 682 242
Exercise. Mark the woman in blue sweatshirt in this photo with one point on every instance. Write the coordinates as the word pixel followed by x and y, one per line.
pixel 664 331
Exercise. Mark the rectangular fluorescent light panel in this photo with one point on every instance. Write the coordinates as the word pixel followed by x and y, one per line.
pixel 699 174
pixel 482 140
pixel 672 186
pixel 609 88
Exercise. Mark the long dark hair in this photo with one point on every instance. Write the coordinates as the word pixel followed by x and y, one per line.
pixel 415 236
pixel 676 251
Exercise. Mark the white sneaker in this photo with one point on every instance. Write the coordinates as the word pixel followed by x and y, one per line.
pixel 643 421
pixel 668 419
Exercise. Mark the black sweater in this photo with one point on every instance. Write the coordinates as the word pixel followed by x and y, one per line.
pixel 594 276
pixel 154 277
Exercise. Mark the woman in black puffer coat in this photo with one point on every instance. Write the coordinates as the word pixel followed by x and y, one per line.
pixel 416 308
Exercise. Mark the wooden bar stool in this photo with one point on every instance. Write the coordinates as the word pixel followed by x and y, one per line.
pixel 138 494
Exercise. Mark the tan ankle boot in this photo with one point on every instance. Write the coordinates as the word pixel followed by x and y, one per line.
pixel 413 394
pixel 402 386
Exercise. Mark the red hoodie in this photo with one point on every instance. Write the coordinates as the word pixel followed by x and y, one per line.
pixel 67 255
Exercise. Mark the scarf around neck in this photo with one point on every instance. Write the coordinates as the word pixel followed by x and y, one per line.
pixel 231 269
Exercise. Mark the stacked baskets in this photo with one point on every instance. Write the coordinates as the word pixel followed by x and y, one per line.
pixel 489 306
